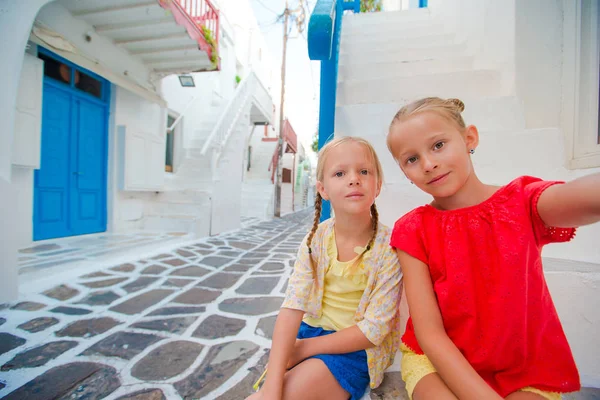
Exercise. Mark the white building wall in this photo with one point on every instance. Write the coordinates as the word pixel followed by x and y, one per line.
pixel 518 136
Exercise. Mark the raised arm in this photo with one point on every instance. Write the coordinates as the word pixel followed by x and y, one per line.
pixel 572 204
pixel 451 365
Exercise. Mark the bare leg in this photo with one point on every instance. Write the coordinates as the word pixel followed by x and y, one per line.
pixel 432 387
pixel 312 380
pixel 524 396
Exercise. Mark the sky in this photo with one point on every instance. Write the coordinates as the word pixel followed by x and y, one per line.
pixel 302 75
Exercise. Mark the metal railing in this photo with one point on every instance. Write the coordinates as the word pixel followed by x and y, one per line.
pixel 249 88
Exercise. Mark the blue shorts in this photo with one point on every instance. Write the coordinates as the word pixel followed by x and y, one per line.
pixel 350 370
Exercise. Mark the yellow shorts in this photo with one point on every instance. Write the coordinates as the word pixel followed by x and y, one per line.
pixel 416 366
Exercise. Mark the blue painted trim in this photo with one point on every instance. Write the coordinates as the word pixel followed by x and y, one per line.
pixel 324 32
pixel 422 3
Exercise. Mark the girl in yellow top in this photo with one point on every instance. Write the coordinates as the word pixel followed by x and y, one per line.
pixel 337 330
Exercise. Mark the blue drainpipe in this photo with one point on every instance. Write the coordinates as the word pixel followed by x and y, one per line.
pixel 324 29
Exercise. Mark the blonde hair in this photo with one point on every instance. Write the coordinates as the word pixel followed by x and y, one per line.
pixel 322 158
pixel 450 109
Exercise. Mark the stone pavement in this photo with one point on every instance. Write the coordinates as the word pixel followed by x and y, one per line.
pixel 194 322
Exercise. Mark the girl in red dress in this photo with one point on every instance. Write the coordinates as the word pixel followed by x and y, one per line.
pixel 483 324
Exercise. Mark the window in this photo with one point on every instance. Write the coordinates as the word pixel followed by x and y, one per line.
pixel 286 175
pixel 581 77
pixel 170 147
pixel 72 76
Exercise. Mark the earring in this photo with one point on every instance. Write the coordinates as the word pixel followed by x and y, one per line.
pixel 472 151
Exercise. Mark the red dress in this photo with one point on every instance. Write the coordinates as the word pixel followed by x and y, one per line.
pixel 486 269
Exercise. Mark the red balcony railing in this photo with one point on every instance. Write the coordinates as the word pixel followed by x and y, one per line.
pixel 201 19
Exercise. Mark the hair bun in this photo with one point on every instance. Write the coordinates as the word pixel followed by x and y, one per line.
pixel 458 103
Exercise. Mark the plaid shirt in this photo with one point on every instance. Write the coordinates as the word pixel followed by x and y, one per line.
pixel 377 314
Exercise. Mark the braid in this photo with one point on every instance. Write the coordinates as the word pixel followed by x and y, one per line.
pixel 318 205
pixel 375 221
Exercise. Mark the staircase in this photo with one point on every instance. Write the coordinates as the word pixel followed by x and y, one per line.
pixel 204 195
pixel 378 75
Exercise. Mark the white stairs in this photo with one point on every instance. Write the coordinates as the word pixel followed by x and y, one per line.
pixel 203 195
pixel 391 58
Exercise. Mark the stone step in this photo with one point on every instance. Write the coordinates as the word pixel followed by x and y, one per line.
pixel 373 55
pixel 393 69
pixel 503 113
pixel 463 84
pixel 364 45
pixel 387 19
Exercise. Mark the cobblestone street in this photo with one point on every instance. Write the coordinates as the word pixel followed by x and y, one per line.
pixel 194 322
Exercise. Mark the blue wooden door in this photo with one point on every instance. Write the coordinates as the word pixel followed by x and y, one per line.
pixel 70 186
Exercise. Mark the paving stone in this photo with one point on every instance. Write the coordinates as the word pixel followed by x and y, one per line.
pixel 161 256
pixel 174 325
pixel 265 327
pixel 153 270
pixel 244 388
pixel 204 252
pixel 217 326
pixel 142 262
pixel 272 266
pixel 285 285
pixel 202 246
pixel 78 380
pixel 88 327
pixel 104 283
pixel 215 261
pixel 392 388
pixel 98 274
pixel 177 310
pixel 220 364
pixel 38 356
pixel 292 262
pixel 177 282
pixel 251 305
pixel 230 253
pixel 237 268
pixel 139 284
pixel 242 245
pixel 180 355
pixel 124 345
pixel 70 310
pixel 124 268
pixel 264 285
pixel 61 292
pixel 190 271
pixel 584 394
pixel 146 394
pixel 28 306
pixel 2 321
pixel 258 255
pixel 175 262
pixel 140 302
pixel 216 242
pixel 249 261
pixel 99 298
pixel 40 248
pixel 38 324
pixel 9 342
pixel 220 281
pixel 185 253
pixel 197 296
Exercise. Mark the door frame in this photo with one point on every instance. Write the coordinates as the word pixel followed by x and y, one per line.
pixel 105 102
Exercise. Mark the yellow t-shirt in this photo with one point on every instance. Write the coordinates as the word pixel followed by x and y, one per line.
pixel 344 285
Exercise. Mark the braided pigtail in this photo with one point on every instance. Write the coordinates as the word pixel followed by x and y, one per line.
pixel 318 203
